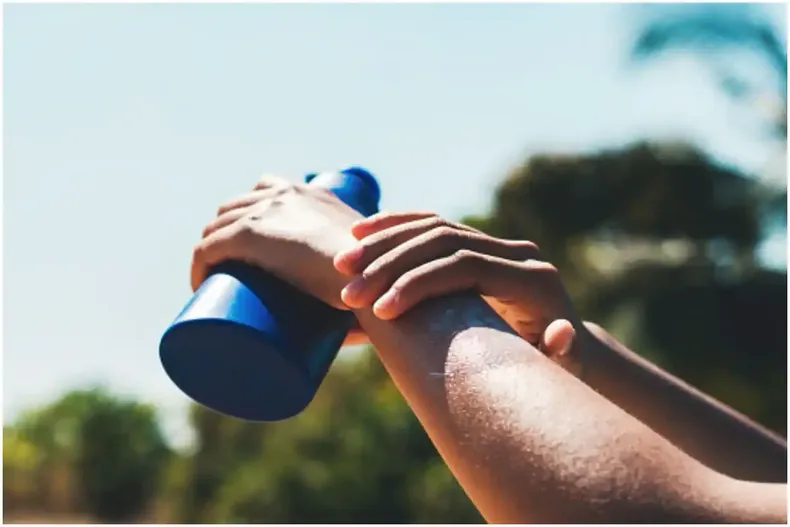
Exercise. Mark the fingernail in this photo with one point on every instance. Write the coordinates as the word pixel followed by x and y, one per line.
pixel 352 290
pixel 566 347
pixel 384 304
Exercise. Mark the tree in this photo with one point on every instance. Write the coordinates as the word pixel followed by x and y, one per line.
pixel 658 243
pixel 716 31
pixel 724 37
pixel 356 455
pixel 21 460
pixel 108 451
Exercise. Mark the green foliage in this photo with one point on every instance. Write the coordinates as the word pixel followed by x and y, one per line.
pixel 708 313
pixel 656 243
pixel 109 453
pixel 21 460
pixel 667 235
pixel 357 454
pixel 736 349
pixel 716 34
pixel 119 459
pixel 718 30
pixel 650 192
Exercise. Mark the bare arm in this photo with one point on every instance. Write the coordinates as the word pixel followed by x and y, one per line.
pixel 530 443
pixel 526 440
pixel 704 428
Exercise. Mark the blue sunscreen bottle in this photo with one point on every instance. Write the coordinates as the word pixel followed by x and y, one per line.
pixel 253 347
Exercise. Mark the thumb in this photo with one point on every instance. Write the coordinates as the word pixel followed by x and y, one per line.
pixel 558 339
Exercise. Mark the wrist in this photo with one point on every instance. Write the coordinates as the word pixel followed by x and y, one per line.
pixel 316 269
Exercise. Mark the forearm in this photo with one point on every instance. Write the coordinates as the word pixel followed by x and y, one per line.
pixel 527 441
pixel 704 428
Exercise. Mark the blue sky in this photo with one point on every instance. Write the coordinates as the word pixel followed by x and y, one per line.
pixel 125 126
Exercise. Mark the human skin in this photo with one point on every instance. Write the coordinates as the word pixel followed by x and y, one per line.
pixel 412 257
pixel 528 441
pixel 531 443
pixel 703 427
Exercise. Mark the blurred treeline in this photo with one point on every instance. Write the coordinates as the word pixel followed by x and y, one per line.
pixel 656 242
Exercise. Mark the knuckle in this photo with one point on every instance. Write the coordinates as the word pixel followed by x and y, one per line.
pixel 199 252
pixel 429 216
pixel 375 270
pixel 240 202
pixel 269 181
pixel 407 281
pixel 465 254
pixel 450 238
pixel 381 267
pixel 230 205
pixel 372 245
pixel 245 226
pixel 437 222
pixel 443 231
pixel 323 191
pixel 467 258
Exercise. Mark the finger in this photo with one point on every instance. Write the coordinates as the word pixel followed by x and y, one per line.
pixel 377 277
pixel 270 181
pixel 221 245
pixel 368 249
pixel 467 271
pixel 241 202
pixel 224 220
pixel 558 338
pixel 384 220
pixel 559 343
